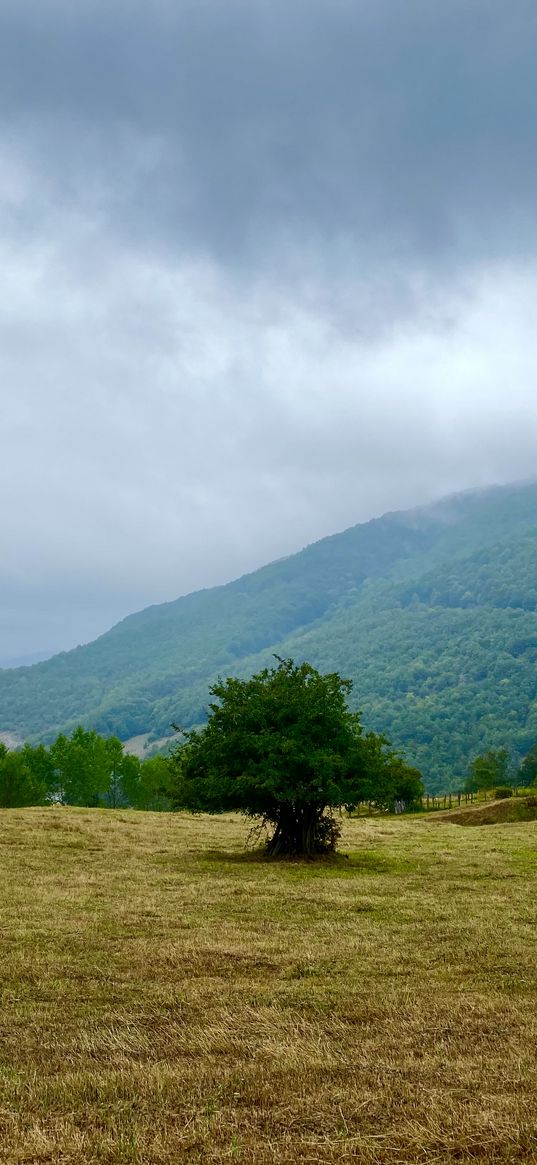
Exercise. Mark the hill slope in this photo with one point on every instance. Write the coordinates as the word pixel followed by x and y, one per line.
pixel 432 612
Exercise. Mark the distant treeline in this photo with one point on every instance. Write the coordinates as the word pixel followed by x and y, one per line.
pixel 95 771
pixel 495 769
pixel 82 769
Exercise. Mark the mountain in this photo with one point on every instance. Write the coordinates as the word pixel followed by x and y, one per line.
pixel 25 660
pixel 432 612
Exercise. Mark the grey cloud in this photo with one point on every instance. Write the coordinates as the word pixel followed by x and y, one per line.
pixel 141 464
pixel 268 270
pixel 402 131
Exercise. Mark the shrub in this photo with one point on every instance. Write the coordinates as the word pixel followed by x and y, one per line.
pixel 284 747
pixel 502 792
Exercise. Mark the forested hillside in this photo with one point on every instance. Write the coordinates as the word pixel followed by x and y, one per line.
pixel 432 612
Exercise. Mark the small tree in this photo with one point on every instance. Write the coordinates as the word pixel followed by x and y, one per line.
pixel 527 773
pixel 389 779
pixel 38 760
pixel 82 767
pixel 145 783
pixel 154 773
pixel 115 766
pixel 18 785
pixel 488 771
pixel 283 747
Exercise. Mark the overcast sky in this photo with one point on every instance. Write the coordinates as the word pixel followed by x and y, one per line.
pixel 268 269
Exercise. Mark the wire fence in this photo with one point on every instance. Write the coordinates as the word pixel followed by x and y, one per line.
pixel 430 802
pixel 433 802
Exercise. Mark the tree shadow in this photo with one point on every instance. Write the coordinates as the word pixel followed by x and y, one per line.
pixel 259 856
pixel 344 864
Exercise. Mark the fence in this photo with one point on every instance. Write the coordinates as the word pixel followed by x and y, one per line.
pixel 430 802
pixel 452 800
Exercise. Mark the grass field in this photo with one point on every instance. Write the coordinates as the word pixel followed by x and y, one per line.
pixel 167 998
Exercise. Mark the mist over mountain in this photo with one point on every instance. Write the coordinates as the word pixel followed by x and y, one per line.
pixel 25 660
pixel 432 612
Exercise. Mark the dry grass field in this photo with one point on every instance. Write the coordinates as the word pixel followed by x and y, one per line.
pixel 168 998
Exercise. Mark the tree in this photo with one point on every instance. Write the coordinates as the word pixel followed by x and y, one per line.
pixel 143 783
pixel 116 766
pixel 18 785
pixel 389 780
pixel 38 760
pixel 527 772
pixel 283 747
pixel 82 767
pixel 489 770
pixel 153 782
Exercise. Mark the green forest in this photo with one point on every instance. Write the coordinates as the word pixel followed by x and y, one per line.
pixel 94 771
pixel 82 769
pixel 432 613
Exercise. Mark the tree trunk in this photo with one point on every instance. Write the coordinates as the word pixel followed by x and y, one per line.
pixel 296 832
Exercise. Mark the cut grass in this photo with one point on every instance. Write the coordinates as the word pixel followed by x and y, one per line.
pixel 507 809
pixel 167 998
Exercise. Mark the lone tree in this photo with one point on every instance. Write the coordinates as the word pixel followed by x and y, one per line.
pixel 284 747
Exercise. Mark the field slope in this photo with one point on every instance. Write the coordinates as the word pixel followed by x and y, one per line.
pixel 169 998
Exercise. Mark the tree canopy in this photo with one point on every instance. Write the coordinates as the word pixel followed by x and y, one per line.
pixel 490 770
pixel 284 747
pixel 528 768
pixel 82 769
pixel 19 786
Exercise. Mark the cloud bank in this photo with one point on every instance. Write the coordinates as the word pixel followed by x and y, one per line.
pixel 268 270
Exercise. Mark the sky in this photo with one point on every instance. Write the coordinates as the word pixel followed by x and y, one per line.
pixel 269 269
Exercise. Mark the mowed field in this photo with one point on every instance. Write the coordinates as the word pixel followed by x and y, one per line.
pixel 167 997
